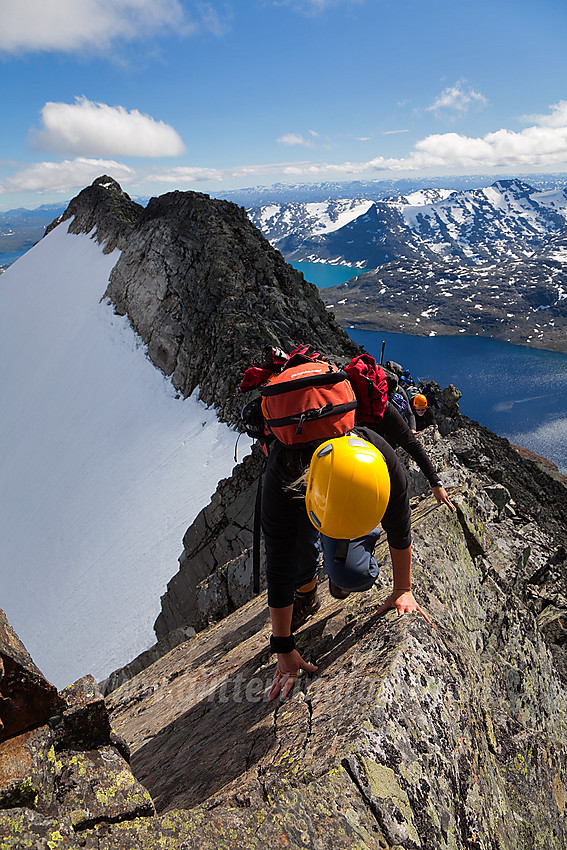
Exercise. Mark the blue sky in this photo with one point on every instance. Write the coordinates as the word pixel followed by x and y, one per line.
pixel 211 96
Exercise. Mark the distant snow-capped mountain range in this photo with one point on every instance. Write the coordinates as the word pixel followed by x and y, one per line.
pixel 488 261
pixel 507 220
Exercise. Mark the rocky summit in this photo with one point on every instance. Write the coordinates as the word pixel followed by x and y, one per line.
pixel 449 736
pixel 202 287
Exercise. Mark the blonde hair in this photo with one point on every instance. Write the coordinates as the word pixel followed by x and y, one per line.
pixel 299 486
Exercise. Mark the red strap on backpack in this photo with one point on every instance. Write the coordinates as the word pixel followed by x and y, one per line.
pixel 370 386
pixel 254 376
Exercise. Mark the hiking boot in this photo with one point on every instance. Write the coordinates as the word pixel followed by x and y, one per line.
pixel 337 592
pixel 304 604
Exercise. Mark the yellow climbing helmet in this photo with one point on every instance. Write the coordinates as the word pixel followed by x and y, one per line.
pixel 348 487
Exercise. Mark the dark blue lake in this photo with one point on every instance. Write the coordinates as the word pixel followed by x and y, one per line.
pixel 518 392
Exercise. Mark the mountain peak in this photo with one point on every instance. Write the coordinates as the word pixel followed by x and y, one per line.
pixel 106 182
pixel 202 287
pixel 516 187
pixel 105 208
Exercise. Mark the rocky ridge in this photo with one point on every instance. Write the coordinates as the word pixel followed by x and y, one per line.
pixel 192 273
pixel 62 768
pixel 409 736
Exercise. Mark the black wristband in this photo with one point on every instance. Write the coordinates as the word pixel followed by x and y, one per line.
pixel 282 644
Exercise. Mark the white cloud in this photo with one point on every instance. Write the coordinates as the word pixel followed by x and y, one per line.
pixel 556 118
pixel 71 175
pixel 542 145
pixel 78 25
pixel 312 7
pixel 179 176
pixel 456 100
pixel 63 176
pixel 85 128
pixel 295 139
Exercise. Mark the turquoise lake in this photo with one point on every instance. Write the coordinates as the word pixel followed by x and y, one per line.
pixel 324 274
pixel 517 392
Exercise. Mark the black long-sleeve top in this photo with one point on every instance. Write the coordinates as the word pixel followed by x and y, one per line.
pixel 426 419
pixel 396 431
pixel 284 514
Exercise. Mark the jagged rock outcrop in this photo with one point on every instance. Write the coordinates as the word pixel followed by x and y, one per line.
pixel 409 736
pixel 204 289
pixel 26 698
pixel 62 768
pixel 104 210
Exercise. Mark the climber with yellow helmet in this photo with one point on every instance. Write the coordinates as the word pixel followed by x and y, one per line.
pixel 354 482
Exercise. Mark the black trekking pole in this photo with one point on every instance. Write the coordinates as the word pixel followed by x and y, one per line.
pixel 382 352
pixel 256 539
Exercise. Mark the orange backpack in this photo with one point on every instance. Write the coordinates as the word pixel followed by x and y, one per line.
pixel 308 400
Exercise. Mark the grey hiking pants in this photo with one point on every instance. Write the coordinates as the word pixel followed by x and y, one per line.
pixel 359 570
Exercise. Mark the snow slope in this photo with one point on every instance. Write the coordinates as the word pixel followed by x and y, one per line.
pixel 102 467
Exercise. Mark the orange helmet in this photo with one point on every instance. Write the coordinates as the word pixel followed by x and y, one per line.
pixel 420 402
pixel 348 488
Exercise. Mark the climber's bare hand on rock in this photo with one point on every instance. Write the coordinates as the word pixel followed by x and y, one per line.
pixel 443 497
pixel 404 603
pixel 287 673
